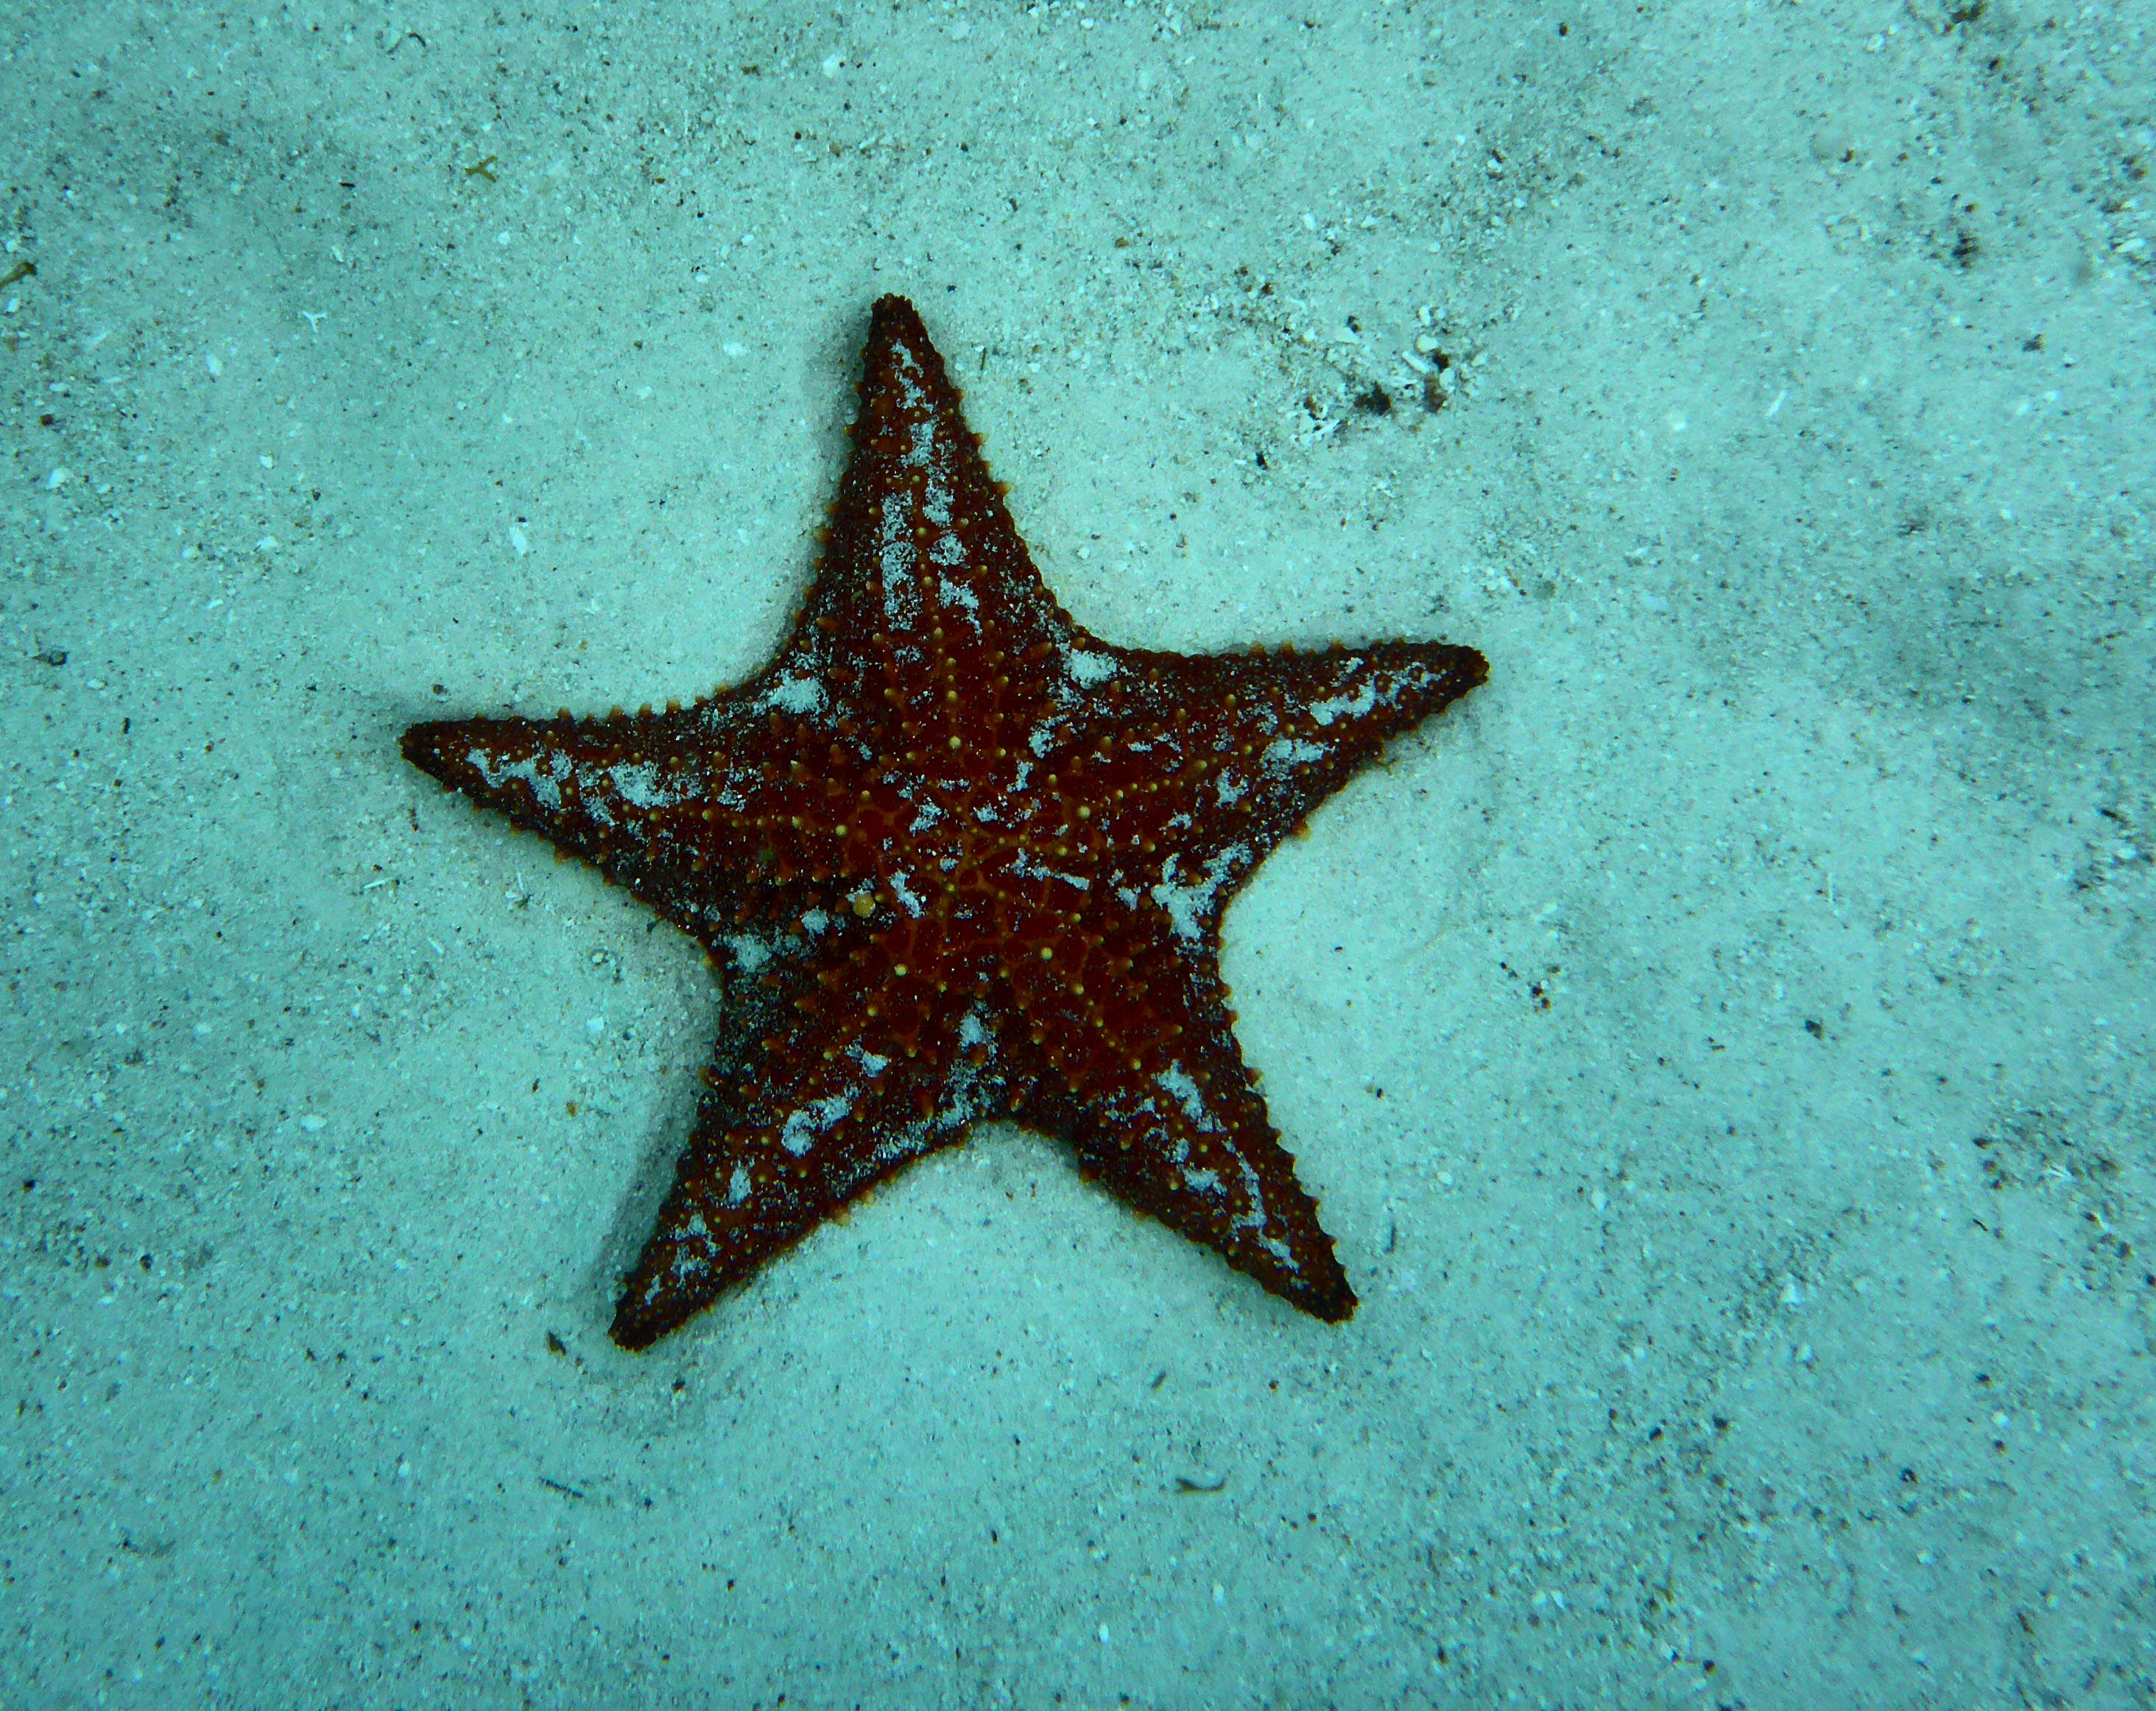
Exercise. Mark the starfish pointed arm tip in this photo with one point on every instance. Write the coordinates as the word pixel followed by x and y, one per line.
pixel 892 310
pixel 1336 1305
pixel 422 745
pixel 632 1331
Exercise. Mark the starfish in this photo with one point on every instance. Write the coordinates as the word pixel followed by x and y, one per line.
pixel 958 859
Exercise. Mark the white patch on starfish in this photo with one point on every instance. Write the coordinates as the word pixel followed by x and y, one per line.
pixel 638 785
pixel 1353 706
pixel 1091 668
pixel 1284 753
pixel 806 1124
pixel 545 786
pixel 800 695
pixel 1026 867
pixel 1177 1083
pixel 1187 905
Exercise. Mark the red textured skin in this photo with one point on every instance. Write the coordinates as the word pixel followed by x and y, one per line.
pixel 962 860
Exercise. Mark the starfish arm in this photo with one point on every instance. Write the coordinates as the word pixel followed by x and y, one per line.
pixel 620 792
pixel 811 1102
pixel 1190 803
pixel 922 568
pixel 668 806
pixel 1140 1070
pixel 1298 726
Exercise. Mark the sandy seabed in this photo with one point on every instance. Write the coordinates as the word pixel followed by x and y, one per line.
pixel 1722 1044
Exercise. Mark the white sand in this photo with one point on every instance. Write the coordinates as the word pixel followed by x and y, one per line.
pixel 1722 1044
